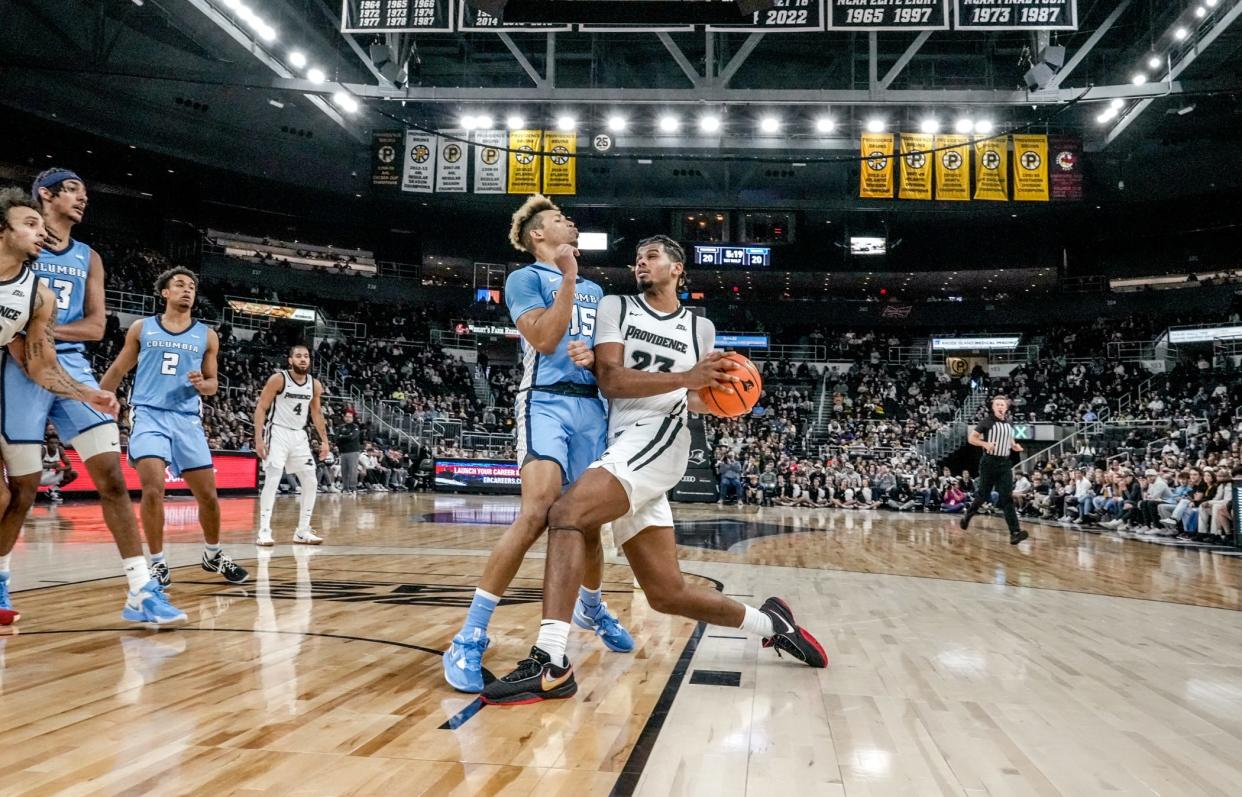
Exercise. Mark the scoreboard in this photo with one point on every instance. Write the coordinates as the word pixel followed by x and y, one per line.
pixel 733 256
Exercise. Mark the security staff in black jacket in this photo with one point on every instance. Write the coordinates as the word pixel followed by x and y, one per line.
pixel 995 436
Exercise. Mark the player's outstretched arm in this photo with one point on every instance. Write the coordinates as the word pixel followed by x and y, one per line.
pixel 46 370
pixel 316 414
pixel 206 381
pixel 125 360
pixel 94 312
pixel 270 388
pixel 617 382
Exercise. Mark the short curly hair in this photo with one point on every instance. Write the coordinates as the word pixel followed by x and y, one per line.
pixel 526 218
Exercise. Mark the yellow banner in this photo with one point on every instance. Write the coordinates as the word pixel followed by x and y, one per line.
pixel 953 168
pixel 876 174
pixel 992 169
pixel 524 165
pixel 916 166
pixel 1030 168
pixel 560 167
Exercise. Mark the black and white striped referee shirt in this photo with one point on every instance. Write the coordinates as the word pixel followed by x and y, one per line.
pixel 998 432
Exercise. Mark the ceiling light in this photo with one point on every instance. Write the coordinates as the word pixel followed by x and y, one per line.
pixel 1139 78
pixel 1106 116
pixel 345 102
pixel 825 124
pixel 1180 34
pixel 709 123
pixel 983 127
pixel 669 124
pixel 1154 62
pixel 930 125
pixel 1117 103
pixel 296 59
pixel 514 122
pixel 617 123
pixel 468 122
pixel 566 122
pixel 266 32
pixel 964 125
pixel 1210 3
pixel 484 121
pixel 1200 12
pixel 315 75
pixel 875 125
pixel 769 124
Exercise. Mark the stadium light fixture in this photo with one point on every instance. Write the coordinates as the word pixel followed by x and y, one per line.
pixel 983 127
pixel 930 125
pixel 1139 78
pixel 484 121
pixel 709 123
pixel 565 123
pixel 1180 34
pixel 875 125
pixel 1106 116
pixel 468 122
pixel 266 32
pixel 617 123
pixel 1154 62
pixel 1200 12
pixel 296 59
pixel 1117 103
pixel 315 75
pixel 964 125
pixel 515 122
pixel 669 123
pixel 345 102
pixel 825 124
pixel 769 124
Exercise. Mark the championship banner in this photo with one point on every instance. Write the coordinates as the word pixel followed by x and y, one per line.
pixel 474 19
pixel 792 16
pixel 386 158
pixel 524 166
pixel 396 16
pixel 451 162
pixel 1030 168
pixel 560 167
pixel 1065 173
pixel 876 174
pixel 489 162
pixel 916 166
pixel 953 168
pixel 418 174
pixel 888 15
pixel 992 169
pixel 1016 15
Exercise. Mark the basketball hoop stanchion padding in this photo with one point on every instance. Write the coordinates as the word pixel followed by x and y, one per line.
pixel 1237 513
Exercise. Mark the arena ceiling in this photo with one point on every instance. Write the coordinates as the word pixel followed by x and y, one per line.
pixel 194 80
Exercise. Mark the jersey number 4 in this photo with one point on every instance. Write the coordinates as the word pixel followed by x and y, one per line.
pixel 643 359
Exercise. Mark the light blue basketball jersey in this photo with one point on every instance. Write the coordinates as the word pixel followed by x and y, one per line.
pixel 165 360
pixel 536 286
pixel 65 273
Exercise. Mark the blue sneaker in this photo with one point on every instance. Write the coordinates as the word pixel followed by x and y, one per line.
pixel 606 624
pixel 7 615
pixel 463 662
pixel 150 606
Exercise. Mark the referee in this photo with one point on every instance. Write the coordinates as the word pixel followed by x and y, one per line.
pixel 995 436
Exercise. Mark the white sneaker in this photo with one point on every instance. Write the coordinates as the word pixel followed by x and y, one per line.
pixel 307 537
pixel 265 538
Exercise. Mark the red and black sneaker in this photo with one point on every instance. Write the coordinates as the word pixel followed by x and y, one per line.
pixel 535 679
pixel 791 638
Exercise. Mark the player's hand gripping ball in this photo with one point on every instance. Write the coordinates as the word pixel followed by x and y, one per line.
pixel 745 393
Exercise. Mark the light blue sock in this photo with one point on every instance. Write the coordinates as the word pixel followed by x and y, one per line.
pixel 157 558
pixel 590 599
pixel 480 614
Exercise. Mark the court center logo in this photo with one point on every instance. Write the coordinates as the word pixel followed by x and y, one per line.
pixel 421 153
pixel 1031 161
pixel 560 155
pixel 524 155
pixel 490 156
pixel 452 153
pixel 952 160
pixel 877 161
pixel 991 160
pixel 386 154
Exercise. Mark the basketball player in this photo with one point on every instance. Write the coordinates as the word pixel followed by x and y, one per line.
pixel 288 398
pixel 176 359
pixel 27 305
pixel 560 420
pixel 651 357
pixel 994 435
pixel 57 470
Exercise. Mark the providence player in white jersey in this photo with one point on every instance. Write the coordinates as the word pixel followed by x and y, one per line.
pixel 288 399
pixel 651 357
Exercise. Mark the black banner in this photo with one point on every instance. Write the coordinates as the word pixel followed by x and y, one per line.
pixel 1016 15
pixel 1065 169
pixel 396 16
pixel 794 16
pixel 472 19
pixel 387 150
pixel 888 14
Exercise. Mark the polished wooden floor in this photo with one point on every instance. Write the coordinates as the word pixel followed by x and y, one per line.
pixel 1073 664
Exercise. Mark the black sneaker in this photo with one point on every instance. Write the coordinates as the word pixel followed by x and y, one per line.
pixel 232 572
pixel 964 523
pixel 535 679
pixel 789 637
pixel 159 572
pixel 1018 536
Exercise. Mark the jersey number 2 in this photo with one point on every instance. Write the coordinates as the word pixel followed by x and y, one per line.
pixel 169 366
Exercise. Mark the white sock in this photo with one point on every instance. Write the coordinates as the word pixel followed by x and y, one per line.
pixel 267 498
pixel 136 572
pixel 307 498
pixel 756 622
pixel 212 551
pixel 4 562
pixel 156 558
pixel 553 637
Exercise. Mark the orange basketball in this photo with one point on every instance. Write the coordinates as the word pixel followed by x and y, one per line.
pixel 740 402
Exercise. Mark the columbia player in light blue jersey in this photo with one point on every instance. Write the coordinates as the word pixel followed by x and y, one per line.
pixel 561 423
pixel 176 359
pixel 60 198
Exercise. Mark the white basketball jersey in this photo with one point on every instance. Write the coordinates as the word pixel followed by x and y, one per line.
pixel 17 298
pixel 292 404
pixel 654 342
